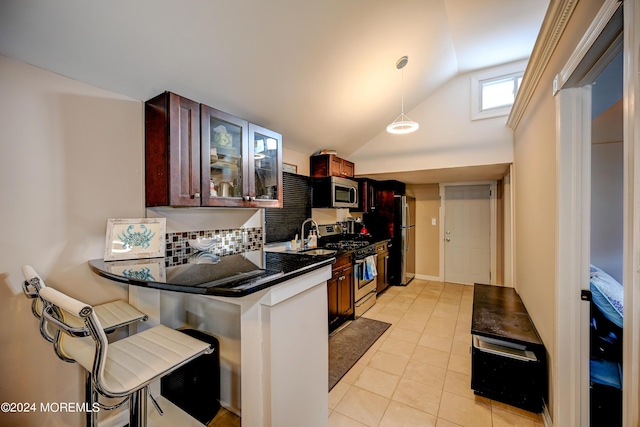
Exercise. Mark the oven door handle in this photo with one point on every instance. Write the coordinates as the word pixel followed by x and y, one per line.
pixel 359 261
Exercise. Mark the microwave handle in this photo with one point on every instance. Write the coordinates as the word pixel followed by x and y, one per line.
pixel 353 196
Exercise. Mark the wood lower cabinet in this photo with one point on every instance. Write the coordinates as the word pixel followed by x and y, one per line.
pixel 382 263
pixel 340 292
pixel 324 165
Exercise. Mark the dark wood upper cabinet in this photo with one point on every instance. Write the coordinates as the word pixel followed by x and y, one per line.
pixel 172 151
pixel 367 194
pixel 199 156
pixel 325 165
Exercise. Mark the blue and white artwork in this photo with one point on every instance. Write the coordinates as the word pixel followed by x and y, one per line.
pixel 131 238
pixel 135 238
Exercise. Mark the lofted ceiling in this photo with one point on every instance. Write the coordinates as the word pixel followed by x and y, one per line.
pixel 322 73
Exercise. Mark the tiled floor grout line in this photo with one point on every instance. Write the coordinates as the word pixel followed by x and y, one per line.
pixel 409 358
pixel 495 414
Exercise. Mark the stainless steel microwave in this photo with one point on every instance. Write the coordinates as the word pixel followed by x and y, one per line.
pixel 334 192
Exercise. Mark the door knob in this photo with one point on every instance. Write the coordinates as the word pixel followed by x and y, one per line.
pixel 447 239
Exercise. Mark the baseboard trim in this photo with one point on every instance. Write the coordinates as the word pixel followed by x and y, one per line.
pixel 425 277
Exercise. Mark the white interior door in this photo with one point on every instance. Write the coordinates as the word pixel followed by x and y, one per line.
pixel 467 234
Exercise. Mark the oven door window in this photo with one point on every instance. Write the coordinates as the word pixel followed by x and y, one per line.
pixel 360 276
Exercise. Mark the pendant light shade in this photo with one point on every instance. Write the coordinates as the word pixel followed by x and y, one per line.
pixel 402 124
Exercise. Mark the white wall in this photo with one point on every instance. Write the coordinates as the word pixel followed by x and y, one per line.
pixel 427 234
pixel 447 137
pixel 301 160
pixel 71 156
pixel 535 186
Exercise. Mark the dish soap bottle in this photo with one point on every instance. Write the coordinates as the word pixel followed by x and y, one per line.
pixel 313 240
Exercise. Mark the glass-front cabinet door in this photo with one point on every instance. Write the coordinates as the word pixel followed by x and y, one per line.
pixel 241 162
pixel 224 163
pixel 265 153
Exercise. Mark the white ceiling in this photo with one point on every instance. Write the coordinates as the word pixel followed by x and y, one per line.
pixel 311 70
pixel 447 175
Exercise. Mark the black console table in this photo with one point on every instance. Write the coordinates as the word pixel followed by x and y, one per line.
pixel 509 361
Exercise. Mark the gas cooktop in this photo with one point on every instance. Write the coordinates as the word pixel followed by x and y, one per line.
pixel 347 245
pixel 333 238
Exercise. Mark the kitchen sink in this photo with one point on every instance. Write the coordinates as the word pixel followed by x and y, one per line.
pixel 319 251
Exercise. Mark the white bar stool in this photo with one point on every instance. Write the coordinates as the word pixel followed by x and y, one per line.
pixel 112 315
pixel 123 368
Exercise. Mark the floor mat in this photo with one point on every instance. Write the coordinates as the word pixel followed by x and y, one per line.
pixel 347 346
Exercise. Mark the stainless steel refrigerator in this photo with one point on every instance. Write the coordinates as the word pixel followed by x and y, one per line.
pixel 405 216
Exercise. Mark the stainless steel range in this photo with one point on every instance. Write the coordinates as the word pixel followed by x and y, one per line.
pixel 364 268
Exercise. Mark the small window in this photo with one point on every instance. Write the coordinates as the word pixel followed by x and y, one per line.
pixel 500 92
pixel 493 92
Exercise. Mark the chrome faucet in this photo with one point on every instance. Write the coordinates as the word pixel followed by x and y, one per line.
pixel 311 220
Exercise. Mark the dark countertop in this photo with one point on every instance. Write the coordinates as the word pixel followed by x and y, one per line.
pixel 498 312
pixel 232 276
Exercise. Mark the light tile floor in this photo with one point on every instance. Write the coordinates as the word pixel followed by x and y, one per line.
pixel 419 372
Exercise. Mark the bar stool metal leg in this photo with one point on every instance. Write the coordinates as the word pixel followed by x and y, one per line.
pixel 151 354
pixel 138 408
pixel 90 397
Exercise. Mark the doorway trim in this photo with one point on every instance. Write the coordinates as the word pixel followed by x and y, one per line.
pixel 631 275
pixel 573 168
pixel 493 206
pixel 573 196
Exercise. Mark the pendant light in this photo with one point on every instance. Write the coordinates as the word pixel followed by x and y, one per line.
pixel 402 124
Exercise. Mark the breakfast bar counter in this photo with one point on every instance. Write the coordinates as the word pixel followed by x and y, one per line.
pixel 204 273
pixel 270 319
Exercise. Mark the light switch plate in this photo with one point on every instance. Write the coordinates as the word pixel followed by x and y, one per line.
pixel 433 221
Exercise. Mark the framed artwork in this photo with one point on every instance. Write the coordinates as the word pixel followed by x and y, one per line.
pixel 286 167
pixel 135 238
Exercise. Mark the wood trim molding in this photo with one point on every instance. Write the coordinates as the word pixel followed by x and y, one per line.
pixel 553 26
pixel 631 275
pixel 595 30
pixel 573 198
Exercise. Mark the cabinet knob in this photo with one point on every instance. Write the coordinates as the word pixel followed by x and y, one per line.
pixel 246 198
pixel 195 195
